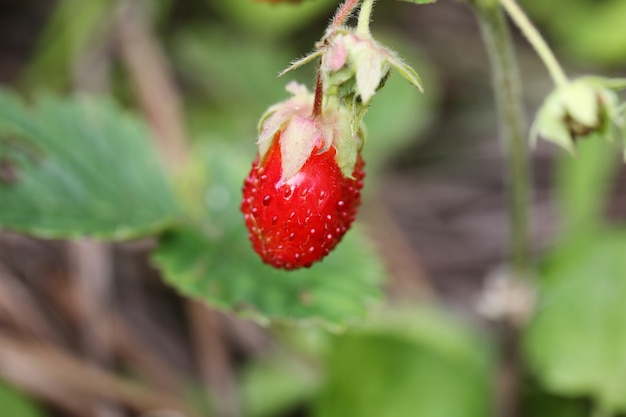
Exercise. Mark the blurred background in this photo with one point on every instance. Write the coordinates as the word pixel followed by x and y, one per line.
pixel 123 343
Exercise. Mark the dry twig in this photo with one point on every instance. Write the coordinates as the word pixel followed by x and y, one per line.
pixel 55 375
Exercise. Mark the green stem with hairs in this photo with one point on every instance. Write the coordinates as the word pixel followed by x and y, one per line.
pixel 318 99
pixel 344 11
pixel 363 24
pixel 508 97
pixel 536 41
pixel 507 90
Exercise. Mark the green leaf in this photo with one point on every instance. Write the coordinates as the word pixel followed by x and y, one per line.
pixel 14 403
pixel 212 259
pixel 407 364
pixel 272 19
pixel 536 402
pixel 577 339
pixel 80 167
pixel 272 386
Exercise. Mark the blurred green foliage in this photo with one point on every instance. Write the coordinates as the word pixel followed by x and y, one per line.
pixel 583 185
pixel 14 403
pixel 421 1
pixel 400 363
pixel 591 31
pixel 272 19
pixel 536 402
pixel 64 37
pixel 576 341
pixel 227 95
pixel 278 384
pixel 577 337
pixel 405 364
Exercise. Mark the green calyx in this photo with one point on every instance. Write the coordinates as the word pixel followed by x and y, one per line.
pixel 353 67
pixel 579 109
pixel 348 138
pixel 299 132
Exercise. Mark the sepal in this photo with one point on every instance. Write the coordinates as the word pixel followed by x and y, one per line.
pixel 300 133
pixel 579 109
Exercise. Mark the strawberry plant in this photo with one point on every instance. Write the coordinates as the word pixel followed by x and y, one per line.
pixel 304 189
pixel 269 239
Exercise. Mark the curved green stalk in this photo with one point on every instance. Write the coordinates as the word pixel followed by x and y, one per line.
pixel 507 90
pixel 536 40
pixel 363 24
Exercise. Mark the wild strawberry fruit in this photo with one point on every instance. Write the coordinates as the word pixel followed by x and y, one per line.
pixel 297 222
pixel 304 189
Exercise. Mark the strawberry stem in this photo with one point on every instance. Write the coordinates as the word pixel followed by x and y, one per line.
pixel 343 12
pixel 363 24
pixel 507 90
pixel 508 96
pixel 536 40
pixel 319 93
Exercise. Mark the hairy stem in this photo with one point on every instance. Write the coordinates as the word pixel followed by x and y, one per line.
pixel 363 25
pixel 536 40
pixel 343 12
pixel 507 90
pixel 318 99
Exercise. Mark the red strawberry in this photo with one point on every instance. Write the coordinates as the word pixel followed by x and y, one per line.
pixel 296 222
